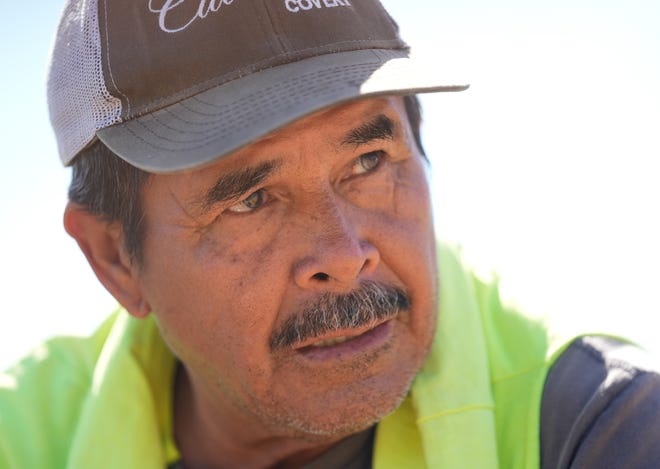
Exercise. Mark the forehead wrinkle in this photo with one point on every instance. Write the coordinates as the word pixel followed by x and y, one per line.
pixel 380 127
pixel 236 183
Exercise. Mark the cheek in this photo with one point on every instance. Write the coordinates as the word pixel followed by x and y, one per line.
pixel 215 302
pixel 405 237
pixel 405 221
pixel 411 194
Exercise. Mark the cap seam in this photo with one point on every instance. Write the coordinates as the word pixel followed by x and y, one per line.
pixel 211 137
pixel 200 143
pixel 208 137
pixel 276 30
pixel 107 58
pixel 198 88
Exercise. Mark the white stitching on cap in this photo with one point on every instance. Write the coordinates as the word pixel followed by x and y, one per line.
pixel 203 10
pixel 298 4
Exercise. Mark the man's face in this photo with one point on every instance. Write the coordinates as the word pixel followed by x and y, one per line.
pixel 258 268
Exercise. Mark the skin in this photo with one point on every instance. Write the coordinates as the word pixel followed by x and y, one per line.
pixel 221 275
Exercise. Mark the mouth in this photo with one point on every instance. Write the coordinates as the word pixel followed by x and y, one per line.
pixel 333 341
pixel 345 344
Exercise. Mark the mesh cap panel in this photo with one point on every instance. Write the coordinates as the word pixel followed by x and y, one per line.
pixel 79 102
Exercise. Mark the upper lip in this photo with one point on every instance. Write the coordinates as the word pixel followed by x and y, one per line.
pixel 339 333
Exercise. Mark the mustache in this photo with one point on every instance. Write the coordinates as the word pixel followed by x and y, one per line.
pixel 372 302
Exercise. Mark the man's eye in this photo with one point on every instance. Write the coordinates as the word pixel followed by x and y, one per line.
pixel 367 162
pixel 250 203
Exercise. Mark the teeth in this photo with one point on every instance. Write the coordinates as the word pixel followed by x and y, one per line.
pixel 331 342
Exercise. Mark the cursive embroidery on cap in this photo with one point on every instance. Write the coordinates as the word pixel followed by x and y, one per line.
pixel 294 6
pixel 205 7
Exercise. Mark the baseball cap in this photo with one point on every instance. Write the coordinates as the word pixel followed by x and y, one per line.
pixel 170 85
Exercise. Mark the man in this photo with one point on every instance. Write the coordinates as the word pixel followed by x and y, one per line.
pixel 249 183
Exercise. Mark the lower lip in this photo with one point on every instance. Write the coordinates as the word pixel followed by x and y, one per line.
pixel 370 340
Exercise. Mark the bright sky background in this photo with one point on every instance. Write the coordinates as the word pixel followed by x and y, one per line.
pixel 545 170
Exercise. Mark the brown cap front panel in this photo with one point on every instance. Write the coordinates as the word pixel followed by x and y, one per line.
pixel 157 52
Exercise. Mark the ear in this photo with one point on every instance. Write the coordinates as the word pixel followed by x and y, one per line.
pixel 102 243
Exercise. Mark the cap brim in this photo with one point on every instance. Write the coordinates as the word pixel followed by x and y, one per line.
pixel 221 120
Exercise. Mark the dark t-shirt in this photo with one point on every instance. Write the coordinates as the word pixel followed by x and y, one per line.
pixel 601 408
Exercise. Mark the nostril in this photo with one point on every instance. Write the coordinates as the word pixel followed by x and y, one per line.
pixel 321 276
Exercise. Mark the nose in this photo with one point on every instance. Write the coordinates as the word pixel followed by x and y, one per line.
pixel 338 255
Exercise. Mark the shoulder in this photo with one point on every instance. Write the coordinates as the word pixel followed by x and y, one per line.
pixel 40 400
pixel 601 407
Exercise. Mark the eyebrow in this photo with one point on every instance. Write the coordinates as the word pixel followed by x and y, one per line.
pixel 380 127
pixel 234 184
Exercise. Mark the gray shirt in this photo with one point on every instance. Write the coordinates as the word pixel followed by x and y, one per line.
pixel 601 408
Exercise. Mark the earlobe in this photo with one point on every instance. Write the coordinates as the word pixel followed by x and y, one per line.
pixel 101 242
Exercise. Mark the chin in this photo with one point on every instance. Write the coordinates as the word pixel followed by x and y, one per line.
pixel 342 412
pixel 347 421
